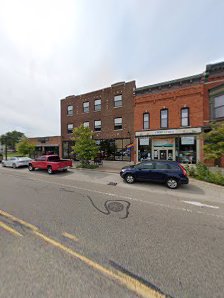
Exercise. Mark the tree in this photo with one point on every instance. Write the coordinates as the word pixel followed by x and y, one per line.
pixel 214 142
pixel 11 138
pixel 85 147
pixel 24 147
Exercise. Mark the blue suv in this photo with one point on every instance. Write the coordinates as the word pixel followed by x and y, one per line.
pixel 170 173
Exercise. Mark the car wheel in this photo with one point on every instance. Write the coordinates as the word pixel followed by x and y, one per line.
pixel 129 178
pixel 30 167
pixel 172 183
pixel 49 170
pixel 14 166
pixel 3 165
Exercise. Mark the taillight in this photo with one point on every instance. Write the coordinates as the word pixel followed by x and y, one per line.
pixel 183 170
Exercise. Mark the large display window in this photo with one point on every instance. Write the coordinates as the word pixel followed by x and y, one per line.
pixel 186 149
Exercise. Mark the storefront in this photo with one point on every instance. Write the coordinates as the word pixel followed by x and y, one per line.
pixel 109 149
pixel 182 145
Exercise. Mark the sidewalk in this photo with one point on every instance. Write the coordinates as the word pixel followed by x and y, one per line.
pixel 109 166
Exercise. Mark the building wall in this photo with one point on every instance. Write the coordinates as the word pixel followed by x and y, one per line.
pixel 47 141
pixel 106 115
pixel 191 97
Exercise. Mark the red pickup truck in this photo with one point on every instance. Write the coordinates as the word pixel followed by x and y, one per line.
pixel 51 163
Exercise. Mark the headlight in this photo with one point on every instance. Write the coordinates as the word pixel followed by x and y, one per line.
pixel 123 170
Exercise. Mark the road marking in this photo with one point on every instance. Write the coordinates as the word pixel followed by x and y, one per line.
pixel 9 229
pixel 20 221
pixel 70 236
pixel 199 204
pixel 124 279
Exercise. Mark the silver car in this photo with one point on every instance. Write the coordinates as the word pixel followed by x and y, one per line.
pixel 16 162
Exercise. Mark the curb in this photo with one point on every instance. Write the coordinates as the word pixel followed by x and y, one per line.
pixel 207 183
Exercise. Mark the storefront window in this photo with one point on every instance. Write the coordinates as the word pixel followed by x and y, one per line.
pixel 115 149
pixel 144 149
pixel 187 149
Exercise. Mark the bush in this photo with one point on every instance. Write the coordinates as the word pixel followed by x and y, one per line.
pixel 202 172
pixel 87 166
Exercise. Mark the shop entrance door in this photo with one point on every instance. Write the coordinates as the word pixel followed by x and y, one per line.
pixel 162 154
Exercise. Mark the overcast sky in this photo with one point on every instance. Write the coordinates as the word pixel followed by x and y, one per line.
pixel 50 49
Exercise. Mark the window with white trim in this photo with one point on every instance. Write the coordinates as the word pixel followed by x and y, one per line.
pixel 69 128
pixel 86 124
pixel 117 123
pixel 185 117
pixel 86 107
pixel 97 105
pixel 164 118
pixel 146 121
pixel 69 110
pixel 97 125
pixel 118 101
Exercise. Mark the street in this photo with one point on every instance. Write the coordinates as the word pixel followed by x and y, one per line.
pixel 88 234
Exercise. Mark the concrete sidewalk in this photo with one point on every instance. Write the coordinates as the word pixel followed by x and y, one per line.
pixel 109 166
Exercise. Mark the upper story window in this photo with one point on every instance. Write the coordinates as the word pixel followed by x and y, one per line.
pixel 219 106
pixel 70 128
pixel 97 125
pixel 118 101
pixel 86 124
pixel 216 100
pixel 86 107
pixel 118 123
pixel 164 118
pixel 146 121
pixel 185 121
pixel 97 105
pixel 69 110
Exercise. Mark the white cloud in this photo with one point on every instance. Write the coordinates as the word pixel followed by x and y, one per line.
pixel 51 49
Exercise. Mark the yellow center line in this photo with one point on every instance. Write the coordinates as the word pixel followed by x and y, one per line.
pixel 9 229
pixel 70 236
pixel 20 221
pixel 124 279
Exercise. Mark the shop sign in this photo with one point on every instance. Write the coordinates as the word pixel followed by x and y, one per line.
pixel 187 141
pixel 163 143
pixel 144 141
pixel 168 132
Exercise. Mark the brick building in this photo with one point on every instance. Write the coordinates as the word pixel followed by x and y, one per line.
pixel 170 117
pixel 109 112
pixel 45 145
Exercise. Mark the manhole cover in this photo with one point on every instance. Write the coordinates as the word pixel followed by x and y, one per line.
pixel 115 206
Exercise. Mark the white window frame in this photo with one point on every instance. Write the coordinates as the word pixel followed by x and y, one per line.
pixel 118 101
pixel 97 127
pixel 85 106
pixel 97 105
pixel 70 110
pixel 118 123
pixel 86 124
pixel 70 128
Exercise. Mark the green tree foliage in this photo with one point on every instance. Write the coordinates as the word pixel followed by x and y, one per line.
pixel 85 147
pixel 214 142
pixel 11 138
pixel 24 147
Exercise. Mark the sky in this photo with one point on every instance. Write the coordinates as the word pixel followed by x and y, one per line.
pixel 50 49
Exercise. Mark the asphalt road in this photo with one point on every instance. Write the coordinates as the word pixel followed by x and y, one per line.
pixel 73 235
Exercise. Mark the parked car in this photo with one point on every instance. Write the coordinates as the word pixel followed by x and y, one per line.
pixel 170 173
pixel 16 162
pixel 51 163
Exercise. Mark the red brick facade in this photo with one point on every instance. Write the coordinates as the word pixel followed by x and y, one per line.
pixel 107 114
pixel 192 93
pixel 47 144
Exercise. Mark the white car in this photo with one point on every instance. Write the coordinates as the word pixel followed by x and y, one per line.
pixel 16 162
